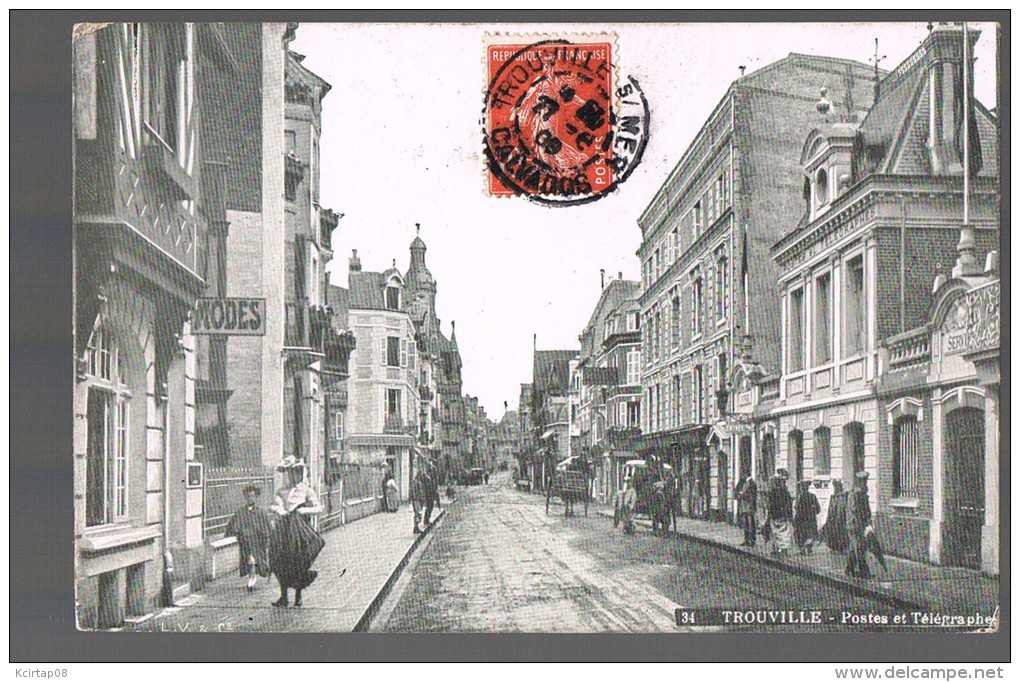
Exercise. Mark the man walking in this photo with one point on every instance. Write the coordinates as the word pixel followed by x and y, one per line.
pixel 747 505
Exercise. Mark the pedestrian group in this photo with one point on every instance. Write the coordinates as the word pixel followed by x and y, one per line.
pixel 286 548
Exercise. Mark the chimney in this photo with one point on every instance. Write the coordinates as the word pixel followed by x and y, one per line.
pixel 602 278
pixel 355 262
pixel 742 69
pixel 619 275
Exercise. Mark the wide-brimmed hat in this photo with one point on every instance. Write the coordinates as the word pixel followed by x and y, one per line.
pixel 251 488
pixel 290 463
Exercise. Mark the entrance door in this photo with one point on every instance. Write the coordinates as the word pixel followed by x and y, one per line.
pixel 767 463
pixel 745 456
pixel 724 483
pixel 965 487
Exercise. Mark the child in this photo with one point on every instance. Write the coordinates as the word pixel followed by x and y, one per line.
pixel 250 525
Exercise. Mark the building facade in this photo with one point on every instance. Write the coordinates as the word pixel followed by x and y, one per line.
pixel 708 282
pixel 382 413
pixel 889 313
pixel 525 436
pixel 550 412
pixel 610 395
pixel 140 264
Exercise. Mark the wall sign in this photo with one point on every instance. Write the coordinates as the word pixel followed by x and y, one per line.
pixel 230 316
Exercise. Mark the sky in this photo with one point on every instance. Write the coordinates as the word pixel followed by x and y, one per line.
pixel 402 144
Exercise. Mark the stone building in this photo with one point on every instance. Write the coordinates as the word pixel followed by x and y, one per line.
pixel 708 283
pixel 404 390
pixel 610 394
pixel 890 352
pixel 147 98
pixel 382 412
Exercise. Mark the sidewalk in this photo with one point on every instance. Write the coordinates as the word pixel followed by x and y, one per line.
pixel 905 584
pixel 372 550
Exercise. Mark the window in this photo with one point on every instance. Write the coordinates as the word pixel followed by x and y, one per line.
pixel 677 409
pixel 633 322
pixel 168 82
pixel 823 460
pixel 633 368
pixel 906 462
pixel 658 265
pixel 338 425
pixel 853 313
pixel 698 408
pixel 658 406
pixel 699 220
pixel 290 141
pixel 392 298
pixel 633 414
pixel 392 358
pixel 795 332
pixel 709 202
pixel 393 403
pixel 796 455
pixel 676 320
pixel 823 317
pixel 720 287
pixel 853 450
pixel 610 327
pixel 107 445
pixel 720 201
pixel 676 243
pixel 696 306
pixel 657 338
pixel 821 188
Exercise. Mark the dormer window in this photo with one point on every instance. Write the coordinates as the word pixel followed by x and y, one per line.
pixel 821 188
pixel 392 298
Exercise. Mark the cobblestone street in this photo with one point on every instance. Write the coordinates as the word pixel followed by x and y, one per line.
pixel 499 563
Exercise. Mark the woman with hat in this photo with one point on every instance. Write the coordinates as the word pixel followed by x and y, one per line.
pixel 294 544
pixel 251 526
pixel 805 518
pixel 780 511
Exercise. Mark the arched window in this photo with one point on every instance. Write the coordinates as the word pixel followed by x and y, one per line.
pixel 853 449
pixel 106 494
pixel 796 455
pixel 823 461
pixel 906 462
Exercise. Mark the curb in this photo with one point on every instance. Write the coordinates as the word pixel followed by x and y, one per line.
pixel 384 591
pixel 856 589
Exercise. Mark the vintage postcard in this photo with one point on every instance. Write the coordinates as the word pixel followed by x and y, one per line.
pixel 537 328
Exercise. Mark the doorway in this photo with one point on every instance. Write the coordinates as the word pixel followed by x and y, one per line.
pixel 965 487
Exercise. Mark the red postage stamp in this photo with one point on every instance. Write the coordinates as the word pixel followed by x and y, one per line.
pixel 554 131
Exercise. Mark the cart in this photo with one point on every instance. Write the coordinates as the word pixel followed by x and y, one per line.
pixel 569 486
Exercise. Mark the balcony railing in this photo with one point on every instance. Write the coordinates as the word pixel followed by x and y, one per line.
pixel 910 349
pixel 394 425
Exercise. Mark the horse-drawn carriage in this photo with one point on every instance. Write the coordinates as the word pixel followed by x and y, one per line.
pixel 651 494
pixel 570 485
